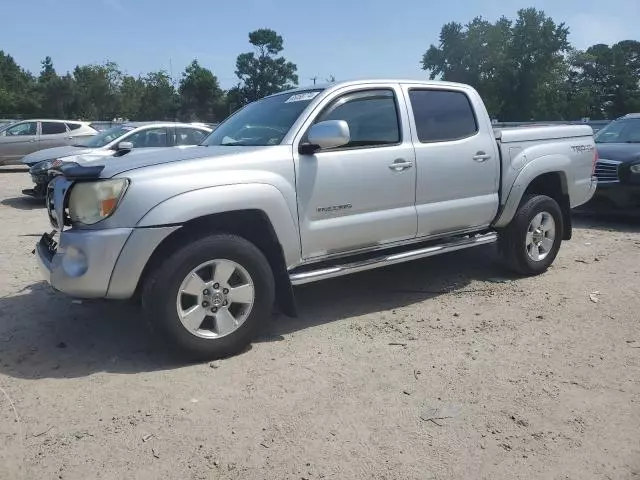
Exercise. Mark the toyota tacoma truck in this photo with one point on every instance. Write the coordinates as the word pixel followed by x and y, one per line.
pixel 304 186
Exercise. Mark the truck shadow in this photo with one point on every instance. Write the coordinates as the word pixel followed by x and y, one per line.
pixel 44 334
pixel 628 222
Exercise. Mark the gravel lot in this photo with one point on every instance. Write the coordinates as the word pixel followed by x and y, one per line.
pixel 441 369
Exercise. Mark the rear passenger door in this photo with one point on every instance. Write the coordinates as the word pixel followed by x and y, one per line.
pixel 188 136
pixel 151 137
pixel 53 134
pixel 458 169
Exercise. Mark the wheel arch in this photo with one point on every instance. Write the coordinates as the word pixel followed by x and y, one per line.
pixel 544 176
pixel 251 224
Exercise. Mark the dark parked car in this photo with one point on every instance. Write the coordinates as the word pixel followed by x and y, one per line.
pixel 618 167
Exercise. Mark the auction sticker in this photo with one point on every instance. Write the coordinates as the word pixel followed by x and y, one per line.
pixel 302 97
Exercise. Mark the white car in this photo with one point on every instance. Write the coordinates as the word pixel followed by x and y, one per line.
pixel 114 142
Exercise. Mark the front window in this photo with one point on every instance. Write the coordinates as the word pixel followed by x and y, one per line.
pixel 620 131
pixel 105 137
pixel 264 122
pixel 22 129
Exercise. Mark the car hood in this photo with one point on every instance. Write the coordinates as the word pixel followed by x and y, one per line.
pixel 140 159
pixel 52 153
pixel 622 152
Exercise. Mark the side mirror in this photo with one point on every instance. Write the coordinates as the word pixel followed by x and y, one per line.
pixel 327 134
pixel 125 146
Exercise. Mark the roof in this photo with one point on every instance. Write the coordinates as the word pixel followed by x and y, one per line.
pixel 324 86
pixel 163 124
pixel 631 115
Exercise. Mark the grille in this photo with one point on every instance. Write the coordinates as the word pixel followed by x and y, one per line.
pixel 51 210
pixel 607 171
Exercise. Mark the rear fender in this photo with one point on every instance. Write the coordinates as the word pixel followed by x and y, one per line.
pixel 547 164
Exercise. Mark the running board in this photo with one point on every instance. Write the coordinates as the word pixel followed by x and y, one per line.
pixel 385 260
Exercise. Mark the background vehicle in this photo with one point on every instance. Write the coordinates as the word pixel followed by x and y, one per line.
pixel 22 138
pixel 117 141
pixel 308 185
pixel 618 168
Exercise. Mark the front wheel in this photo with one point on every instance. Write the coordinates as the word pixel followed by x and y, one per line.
pixel 531 242
pixel 209 297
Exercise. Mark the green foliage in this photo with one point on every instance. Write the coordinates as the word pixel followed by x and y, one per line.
pixel 200 95
pixel 262 73
pixel 526 69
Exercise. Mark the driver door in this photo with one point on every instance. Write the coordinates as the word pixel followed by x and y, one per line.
pixel 18 141
pixel 361 195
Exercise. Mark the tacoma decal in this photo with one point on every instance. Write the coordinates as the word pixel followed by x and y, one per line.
pixel 582 148
pixel 334 208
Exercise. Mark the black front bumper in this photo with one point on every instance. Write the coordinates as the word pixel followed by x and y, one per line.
pixel 617 195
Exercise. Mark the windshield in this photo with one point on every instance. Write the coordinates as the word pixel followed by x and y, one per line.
pixel 105 137
pixel 264 122
pixel 620 131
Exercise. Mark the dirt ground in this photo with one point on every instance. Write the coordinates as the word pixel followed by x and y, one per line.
pixel 441 369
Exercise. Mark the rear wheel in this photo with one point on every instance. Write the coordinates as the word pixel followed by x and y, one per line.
pixel 210 297
pixel 532 240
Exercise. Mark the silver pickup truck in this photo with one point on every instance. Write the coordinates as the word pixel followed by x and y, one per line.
pixel 307 185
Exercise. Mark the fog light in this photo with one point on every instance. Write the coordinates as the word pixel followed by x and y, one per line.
pixel 74 262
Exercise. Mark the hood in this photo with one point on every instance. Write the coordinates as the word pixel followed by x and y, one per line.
pixel 140 159
pixel 622 152
pixel 53 153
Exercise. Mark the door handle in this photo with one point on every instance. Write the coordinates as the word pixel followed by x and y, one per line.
pixel 399 165
pixel 481 157
pixel 32 141
pixel 69 138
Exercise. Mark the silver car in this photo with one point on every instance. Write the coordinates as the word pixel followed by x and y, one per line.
pixel 28 136
pixel 125 137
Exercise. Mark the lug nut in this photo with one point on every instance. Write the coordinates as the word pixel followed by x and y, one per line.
pixel 205 292
pixel 225 290
pixel 214 309
pixel 216 286
pixel 225 303
pixel 205 304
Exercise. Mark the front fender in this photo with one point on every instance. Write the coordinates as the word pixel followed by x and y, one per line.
pixel 539 166
pixel 228 198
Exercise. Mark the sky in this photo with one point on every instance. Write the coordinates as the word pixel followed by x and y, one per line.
pixel 356 39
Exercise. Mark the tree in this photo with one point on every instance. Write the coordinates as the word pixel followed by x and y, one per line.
pixel 159 100
pixel 98 89
pixel 517 67
pixel 16 88
pixel 262 73
pixel 200 95
pixel 131 92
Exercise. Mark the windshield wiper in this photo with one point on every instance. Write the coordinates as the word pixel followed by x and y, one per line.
pixel 78 145
pixel 234 144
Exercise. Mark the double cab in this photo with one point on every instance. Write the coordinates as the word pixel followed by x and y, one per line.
pixel 307 185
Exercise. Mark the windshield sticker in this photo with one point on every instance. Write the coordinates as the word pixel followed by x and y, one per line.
pixel 302 97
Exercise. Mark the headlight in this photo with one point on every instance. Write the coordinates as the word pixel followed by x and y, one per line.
pixel 635 168
pixel 91 202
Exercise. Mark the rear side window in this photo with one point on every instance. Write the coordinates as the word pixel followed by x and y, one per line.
pixel 53 128
pixel 74 126
pixel 372 117
pixel 442 115
pixel 189 136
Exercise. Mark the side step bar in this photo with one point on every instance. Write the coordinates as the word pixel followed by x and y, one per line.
pixel 385 260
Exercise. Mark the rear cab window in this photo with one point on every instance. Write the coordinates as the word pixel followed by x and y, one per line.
pixel 442 115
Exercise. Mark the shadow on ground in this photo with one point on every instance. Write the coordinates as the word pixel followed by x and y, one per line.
pixel 628 222
pixel 23 203
pixel 44 334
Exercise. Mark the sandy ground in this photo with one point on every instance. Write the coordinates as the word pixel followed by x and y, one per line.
pixel 440 369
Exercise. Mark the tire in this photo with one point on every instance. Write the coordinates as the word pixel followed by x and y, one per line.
pixel 173 288
pixel 515 240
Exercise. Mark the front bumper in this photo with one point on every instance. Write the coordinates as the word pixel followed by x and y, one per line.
pixel 98 263
pixel 81 263
pixel 617 195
